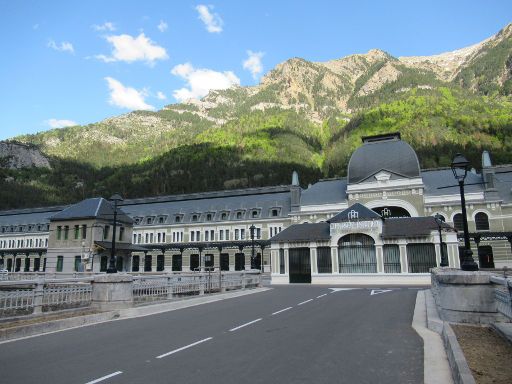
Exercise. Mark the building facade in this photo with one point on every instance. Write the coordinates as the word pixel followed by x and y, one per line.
pixel 213 229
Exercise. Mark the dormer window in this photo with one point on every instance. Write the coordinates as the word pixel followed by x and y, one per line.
pixel 224 216
pixel 255 213
pixel 239 215
pixel 178 218
pixel 195 217
pixel 162 219
pixel 209 217
pixel 274 212
pixel 137 220
pixel 149 220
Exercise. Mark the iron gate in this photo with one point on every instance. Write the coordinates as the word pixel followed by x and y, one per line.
pixel 300 265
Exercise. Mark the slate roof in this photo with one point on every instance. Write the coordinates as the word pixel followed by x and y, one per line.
pixel 444 177
pixel 94 208
pixel 304 232
pixel 262 199
pixel 24 217
pixel 410 227
pixel 325 192
pixel 503 183
pixel 363 213
pixel 392 155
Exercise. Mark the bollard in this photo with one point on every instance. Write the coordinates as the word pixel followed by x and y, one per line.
pixel 243 280
pixel 38 296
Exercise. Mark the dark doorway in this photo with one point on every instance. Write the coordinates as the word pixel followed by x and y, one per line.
pixel 194 262
pixel 103 263
pixel 239 261
pixel 208 261
pixel 485 256
pixel 257 261
pixel 160 263
pixel 300 265
pixel 135 263
pixel 18 265
pixel 148 262
pixel 176 262
pixel 224 261
pixel 37 264
pixel 119 263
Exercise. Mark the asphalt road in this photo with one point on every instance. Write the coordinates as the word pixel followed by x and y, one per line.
pixel 291 334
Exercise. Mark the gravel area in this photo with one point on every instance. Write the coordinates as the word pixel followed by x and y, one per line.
pixel 488 354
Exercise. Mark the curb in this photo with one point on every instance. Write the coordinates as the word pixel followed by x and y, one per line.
pixel 14 333
pixel 38 329
pixel 460 368
pixel 461 373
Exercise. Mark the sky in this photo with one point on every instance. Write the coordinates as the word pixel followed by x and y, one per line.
pixel 78 62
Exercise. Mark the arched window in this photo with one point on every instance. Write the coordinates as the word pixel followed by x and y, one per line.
pixel 482 221
pixel 357 254
pixel 443 218
pixel 457 222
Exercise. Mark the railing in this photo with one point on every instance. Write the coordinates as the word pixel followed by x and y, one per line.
pixel 503 295
pixel 21 297
pixel 187 284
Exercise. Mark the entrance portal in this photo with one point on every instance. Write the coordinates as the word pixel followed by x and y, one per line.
pixel 300 265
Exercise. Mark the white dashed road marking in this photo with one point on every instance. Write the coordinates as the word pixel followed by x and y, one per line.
pixel 378 291
pixel 244 325
pixel 282 310
pixel 325 294
pixel 304 302
pixel 104 377
pixel 185 347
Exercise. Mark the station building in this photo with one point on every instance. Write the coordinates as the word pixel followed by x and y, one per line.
pixel 377 223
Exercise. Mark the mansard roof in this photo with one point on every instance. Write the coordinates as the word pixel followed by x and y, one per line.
pixel 411 227
pixel 304 232
pixel 263 200
pixel 433 179
pixel 355 212
pixel 94 208
pixel 325 192
pixel 383 153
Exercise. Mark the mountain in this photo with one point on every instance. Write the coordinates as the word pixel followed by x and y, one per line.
pixel 304 115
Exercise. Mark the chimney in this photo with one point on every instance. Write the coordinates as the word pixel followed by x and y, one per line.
pixel 295 191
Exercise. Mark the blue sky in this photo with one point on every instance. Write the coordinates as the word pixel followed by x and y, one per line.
pixel 67 62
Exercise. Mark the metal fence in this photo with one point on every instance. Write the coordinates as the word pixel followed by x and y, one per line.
pixel 19 297
pixel 187 284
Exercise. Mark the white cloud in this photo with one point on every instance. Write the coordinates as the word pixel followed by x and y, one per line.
pixel 162 27
pixel 212 21
pixel 126 97
pixel 200 81
pixel 129 49
pixel 253 63
pixel 65 46
pixel 108 26
pixel 60 123
pixel 160 95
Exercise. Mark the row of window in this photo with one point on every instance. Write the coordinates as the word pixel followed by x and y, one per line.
pixel 24 243
pixel 207 235
pixel 80 232
pixel 27 265
pixel 481 221
pixel 26 228
pixel 208 216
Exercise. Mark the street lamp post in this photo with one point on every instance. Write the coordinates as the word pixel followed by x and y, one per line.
pixel 460 166
pixel 112 262
pixel 252 228
pixel 439 221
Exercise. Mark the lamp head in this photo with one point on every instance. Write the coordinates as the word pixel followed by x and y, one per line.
pixel 460 167
pixel 116 197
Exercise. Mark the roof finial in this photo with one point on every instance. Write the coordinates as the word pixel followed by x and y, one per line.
pixel 295 179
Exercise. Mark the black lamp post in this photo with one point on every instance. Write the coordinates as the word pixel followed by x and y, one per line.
pixel 112 262
pixel 252 228
pixel 460 167
pixel 439 221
